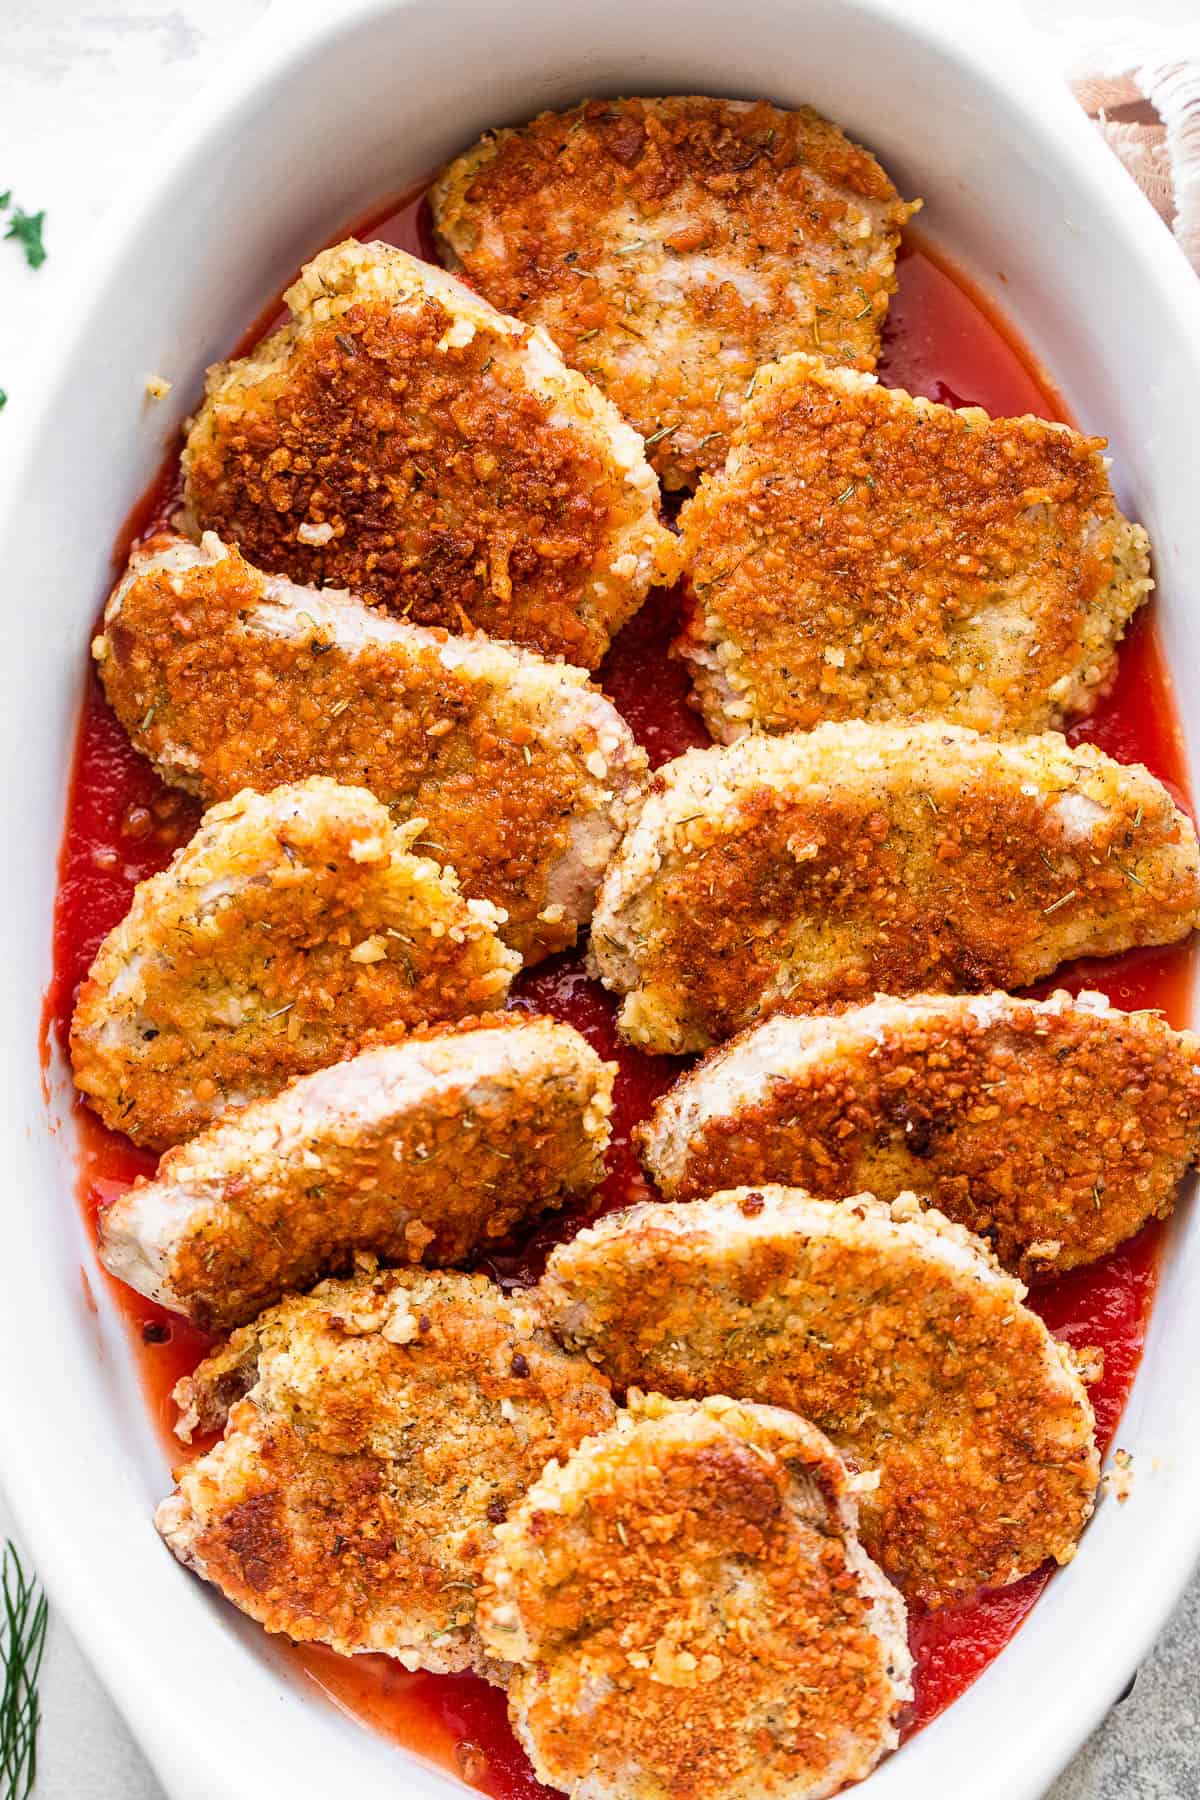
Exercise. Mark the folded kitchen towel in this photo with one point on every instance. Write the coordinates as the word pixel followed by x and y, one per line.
pixel 1140 84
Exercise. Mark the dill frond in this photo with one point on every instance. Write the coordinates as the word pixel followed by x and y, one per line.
pixel 22 1641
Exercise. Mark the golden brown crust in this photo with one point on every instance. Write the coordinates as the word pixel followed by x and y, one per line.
pixel 426 1150
pixel 820 868
pixel 887 1327
pixel 522 771
pixel 294 924
pixel 689 1583
pixel 693 1615
pixel 390 1422
pixel 672 245
pixel 401 439
pixel 1053 1129
pixel 867 555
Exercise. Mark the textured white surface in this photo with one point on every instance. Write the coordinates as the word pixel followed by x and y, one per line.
pixel 84 94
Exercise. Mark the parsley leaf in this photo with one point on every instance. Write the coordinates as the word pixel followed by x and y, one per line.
pixel 26 228
pixel 5 198
pixel 3 399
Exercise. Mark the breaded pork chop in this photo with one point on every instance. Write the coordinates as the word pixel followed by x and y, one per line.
pixel 228 679
pixel 818 868
pixel 375 1433
pixel 401 438
pixel 670 246
pixel 1052 1128
pixel 692 1614
pixel 865 555
pixel 893 1330
pixel 420 1151
pixel 292 925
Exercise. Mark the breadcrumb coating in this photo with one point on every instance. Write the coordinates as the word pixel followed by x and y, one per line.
pixel 692 1614
pixel 292 925
pixel 229 679
pixel 375 1433
pixel 892 1330
pixel 401 438
pixel 820 868
pixel 422 1151
pixel 1052 1128
pixel 867 555
pixel 670 246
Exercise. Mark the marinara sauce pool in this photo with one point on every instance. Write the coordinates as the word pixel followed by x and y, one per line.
pixel 943 340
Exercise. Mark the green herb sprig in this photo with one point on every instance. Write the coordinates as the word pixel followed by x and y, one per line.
pixel 22 1642
pixel 25 229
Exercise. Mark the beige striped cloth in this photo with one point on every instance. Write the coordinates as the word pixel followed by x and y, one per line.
pixel 1140 85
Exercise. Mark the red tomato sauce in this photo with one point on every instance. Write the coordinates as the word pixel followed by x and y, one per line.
pixel 944 340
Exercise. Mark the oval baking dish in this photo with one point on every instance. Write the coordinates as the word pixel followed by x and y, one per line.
pixel 319 117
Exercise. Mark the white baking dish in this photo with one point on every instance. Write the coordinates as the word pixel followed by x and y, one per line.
pixel 322 112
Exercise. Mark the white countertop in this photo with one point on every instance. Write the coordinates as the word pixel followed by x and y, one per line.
pixel 85 91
